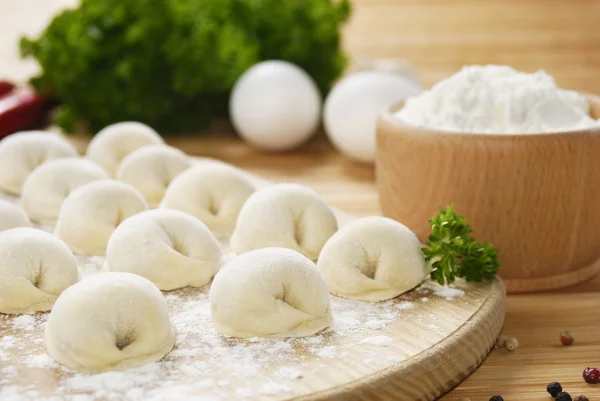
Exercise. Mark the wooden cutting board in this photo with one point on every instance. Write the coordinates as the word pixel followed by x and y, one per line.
pixel 416 347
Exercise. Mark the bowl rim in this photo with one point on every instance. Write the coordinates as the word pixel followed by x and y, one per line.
pixel 388 117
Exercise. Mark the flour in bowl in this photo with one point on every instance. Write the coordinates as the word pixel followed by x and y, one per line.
pixel 498 99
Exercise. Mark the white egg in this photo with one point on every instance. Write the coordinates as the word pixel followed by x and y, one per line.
pixel 353 105
pixel 275 105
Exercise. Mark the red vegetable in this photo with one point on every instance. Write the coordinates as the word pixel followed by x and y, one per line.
pixel 20 110
pixel 5 88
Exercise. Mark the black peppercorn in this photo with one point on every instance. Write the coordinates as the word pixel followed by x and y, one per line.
pixel 563 396
pixel 554 388
pixel 581 398
pixel 496 398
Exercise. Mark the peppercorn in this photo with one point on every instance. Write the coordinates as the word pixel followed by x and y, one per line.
pixel 566 338
pixel 554 388
pixel 581 398
pixel 496 398
pixel 563 396
pixel 591 375
pixel 512 344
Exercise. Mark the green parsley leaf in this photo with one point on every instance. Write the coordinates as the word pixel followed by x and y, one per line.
pixel 453 253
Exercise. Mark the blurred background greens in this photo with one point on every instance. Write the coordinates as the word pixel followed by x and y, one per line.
pixel 172 63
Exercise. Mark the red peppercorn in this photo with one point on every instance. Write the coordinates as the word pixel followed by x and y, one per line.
pixel 566 338
pixel 591 375
pixel 581 398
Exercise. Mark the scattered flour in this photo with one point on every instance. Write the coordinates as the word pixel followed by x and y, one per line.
pixel 378 341
pixel 328 352
pixel 498 99
pixel 288 373
pixel 24 322
pixel 424 299
pixel 42 361
pixel 405 305
pixel 444 292
pixel 449 293
pixel 7 342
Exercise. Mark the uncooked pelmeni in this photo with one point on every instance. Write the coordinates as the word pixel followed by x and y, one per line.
pixel 22 152
pixel 372 259
pixel 212 192
pixel 35 268
pixel 151 169
pixel 111 321
pixel 47 186
pixel 112 143
pixel 90 214
pixel 284 215
pixel 168 247
pixel 12 216
pixel 271 292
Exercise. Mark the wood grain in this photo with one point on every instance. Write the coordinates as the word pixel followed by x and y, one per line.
pixel 438 36
pixel 533 196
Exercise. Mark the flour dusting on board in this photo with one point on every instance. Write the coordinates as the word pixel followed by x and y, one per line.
pixel 204 365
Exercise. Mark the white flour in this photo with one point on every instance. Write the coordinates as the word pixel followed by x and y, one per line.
pixel 498 99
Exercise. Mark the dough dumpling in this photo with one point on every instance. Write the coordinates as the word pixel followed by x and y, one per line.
pixel 372 259
pixel 284 215
pixel 111 321
pixel 47 186
pixel 212 192
pixel 35 268
pixel 271 292
pixel 90 214
pixel 151 169
pixel 12 216
pixel 112 143
pixel 22 152
pixel 168 247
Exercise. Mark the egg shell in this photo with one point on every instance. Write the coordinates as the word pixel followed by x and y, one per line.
pixel 275 106
pixel 352 107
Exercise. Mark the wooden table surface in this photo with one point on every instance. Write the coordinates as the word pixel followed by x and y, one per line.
pixel 536 320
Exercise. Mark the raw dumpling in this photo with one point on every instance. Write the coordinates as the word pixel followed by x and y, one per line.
pixel 212 192
pixel 271 292
pixel 151 169
pixel 168 247
pixel 35 268
pixel 111 321
pixel 112 143
pixel 22 152
pixel 90 214
pixel 12 216
pixel 47 186
pixel 284 215
pixel 372 259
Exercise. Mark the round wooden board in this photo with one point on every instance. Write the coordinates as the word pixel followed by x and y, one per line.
pixel 430 342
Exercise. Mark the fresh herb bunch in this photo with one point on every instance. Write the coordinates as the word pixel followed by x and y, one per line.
pixel 455 253
pixel 172 63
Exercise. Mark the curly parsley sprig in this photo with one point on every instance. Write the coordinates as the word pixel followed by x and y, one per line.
pixel 455 253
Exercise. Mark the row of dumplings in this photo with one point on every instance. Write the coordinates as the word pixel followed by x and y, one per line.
pixel 272 289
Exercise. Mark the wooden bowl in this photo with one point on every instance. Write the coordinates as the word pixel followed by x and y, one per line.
pixel 536 197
